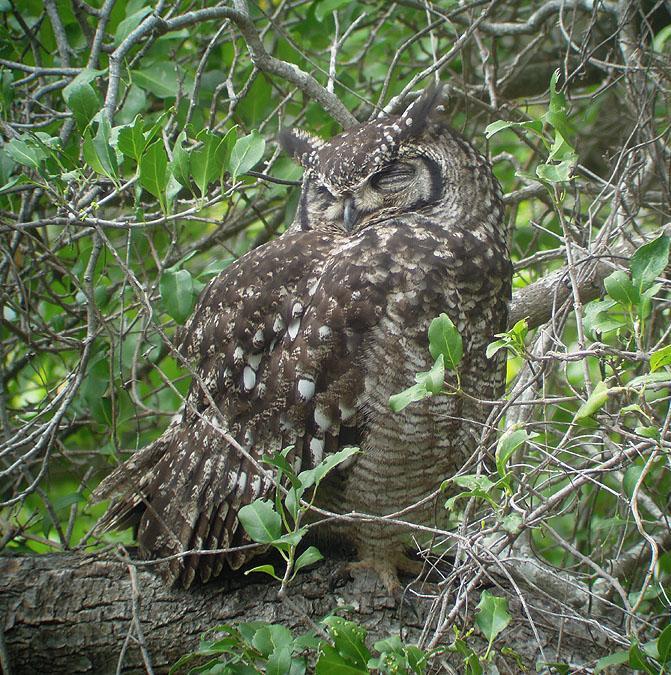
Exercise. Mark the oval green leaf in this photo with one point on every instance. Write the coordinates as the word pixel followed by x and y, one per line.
pixel 246 153
pixel 261 522
pixel 444 338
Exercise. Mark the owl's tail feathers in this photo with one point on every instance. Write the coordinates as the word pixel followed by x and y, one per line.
pixel 183 493
pixel 127 484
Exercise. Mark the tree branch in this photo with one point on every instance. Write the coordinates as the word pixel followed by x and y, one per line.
pixel 540 300
pixel 259 56
pixel 74 612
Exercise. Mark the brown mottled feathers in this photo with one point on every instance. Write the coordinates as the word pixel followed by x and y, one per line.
pixel 267 360
pixel 302 341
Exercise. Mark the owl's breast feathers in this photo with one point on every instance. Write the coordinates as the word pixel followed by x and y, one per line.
pixel 279 344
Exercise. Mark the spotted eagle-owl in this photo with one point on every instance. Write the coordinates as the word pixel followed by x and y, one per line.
pixel 302 341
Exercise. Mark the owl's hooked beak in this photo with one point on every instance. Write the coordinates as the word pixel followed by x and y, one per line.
pixel 350 214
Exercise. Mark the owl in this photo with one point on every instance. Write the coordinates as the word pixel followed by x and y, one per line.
pixel 302 341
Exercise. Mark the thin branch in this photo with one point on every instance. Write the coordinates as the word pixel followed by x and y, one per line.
pixel 260 57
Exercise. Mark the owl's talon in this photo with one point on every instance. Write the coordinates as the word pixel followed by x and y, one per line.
pixel 387 571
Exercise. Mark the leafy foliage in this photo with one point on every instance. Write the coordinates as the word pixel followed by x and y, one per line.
pixel 265 521
pixel 253 648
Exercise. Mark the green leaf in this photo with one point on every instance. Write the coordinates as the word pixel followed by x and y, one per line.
pixel 444 338
pixel 25 153
pixel 6 89
pixel 280 461
pixel 330 662
pixel 512 523
pixel 83 100
pixel 477 486
pixel 279 662
pixel 417 392
pixel 434 379
pixel 246 153
pixel 639 661
pixel 310 556
pixel 648 432
pixel 556 116
pixel 308 640
pixel 512 339
pixel 493 128
pixel 264 569
pixel 154 172
pixel 496 346
pixel 512 439
pixel 493 615
pixel 207 162
pixel 349 640
pixel 325 7
pixel 473 482
pixel 104 149
pixel 286 541
pixel 620 288
pixel 271 636
pixel 635 408
pixel 595 402
pixel 497 126
pixel 96 382
pixel 615 659
pixel 99 153
pixel 650 378
pixel 664 645
pixel 314 476
pixel 557 173
pixel 630 478
pixel 177 293
pixel 390 644
pixel 160 79
pixel 181 160
pixel 131 141
pixel 261 522
pixel 15 180
pixel 86 76
pixel 562 150
pixel 472 663
pixel 129 24
pixel 598 321
pixel 649 261
pixel 520 331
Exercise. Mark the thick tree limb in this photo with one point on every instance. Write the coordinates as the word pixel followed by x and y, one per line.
pixel 538 300
pixel 75 612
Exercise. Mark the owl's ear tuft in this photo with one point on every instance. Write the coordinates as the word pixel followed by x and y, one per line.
pixel 417 115
pixel 300 144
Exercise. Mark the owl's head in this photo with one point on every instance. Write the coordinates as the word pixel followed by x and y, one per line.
pixel 374 171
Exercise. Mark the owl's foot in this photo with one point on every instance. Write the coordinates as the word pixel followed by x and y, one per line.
pixel 386 568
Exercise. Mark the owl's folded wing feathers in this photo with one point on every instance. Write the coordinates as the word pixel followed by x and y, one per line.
pixel 276 339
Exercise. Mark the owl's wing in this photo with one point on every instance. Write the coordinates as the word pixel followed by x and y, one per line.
pixel 277 341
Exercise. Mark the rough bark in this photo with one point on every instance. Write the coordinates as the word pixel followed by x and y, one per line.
pixel 540 300
pixel 69 613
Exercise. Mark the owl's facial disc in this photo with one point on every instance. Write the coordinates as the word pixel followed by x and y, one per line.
pixel 407 184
